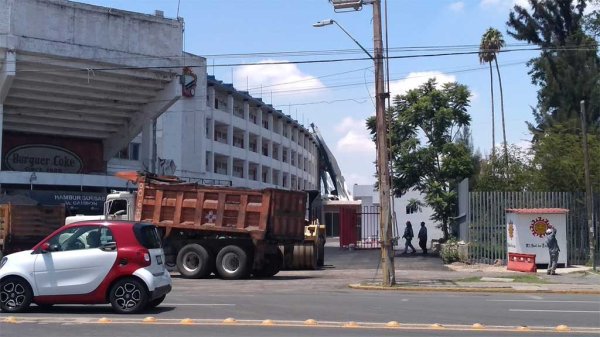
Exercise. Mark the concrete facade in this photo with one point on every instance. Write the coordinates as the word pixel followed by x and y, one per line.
pixel 87 91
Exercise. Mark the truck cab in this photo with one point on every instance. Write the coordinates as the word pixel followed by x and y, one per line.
pixel 119 205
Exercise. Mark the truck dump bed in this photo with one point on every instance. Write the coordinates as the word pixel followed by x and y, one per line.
pixel 269 214
pixel 23 226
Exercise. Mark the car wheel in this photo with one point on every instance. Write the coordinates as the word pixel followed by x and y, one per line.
pixel 156 302
pixel 233 263
pixel 194 261
pixel 128 296
pixel 15 295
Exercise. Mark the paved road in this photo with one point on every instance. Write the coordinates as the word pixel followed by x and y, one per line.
pixel 292 297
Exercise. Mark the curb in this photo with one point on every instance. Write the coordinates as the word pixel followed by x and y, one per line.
pixel 476 290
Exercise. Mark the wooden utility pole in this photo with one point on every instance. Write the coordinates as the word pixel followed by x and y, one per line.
pixel 588 187
pixel 385 228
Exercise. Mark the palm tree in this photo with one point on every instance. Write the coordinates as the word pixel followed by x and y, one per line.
pixel 492 42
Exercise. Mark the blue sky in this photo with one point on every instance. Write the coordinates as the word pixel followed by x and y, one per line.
pixel 336 96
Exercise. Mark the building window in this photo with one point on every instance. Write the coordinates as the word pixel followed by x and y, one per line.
pixel 130 152
pixel 238 141
pixel 238 111
pixel 253 146
pixel 265 122
pixel 265 148
pixel 275 152
pixel 253 117
pixel 221 136
pixel 284 156
pixel 238 171
pixel 252 172
pixel 221 167
pixel 293 158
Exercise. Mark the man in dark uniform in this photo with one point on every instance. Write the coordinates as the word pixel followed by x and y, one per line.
pixel 408 236
pixel 423 238
pixel 553 249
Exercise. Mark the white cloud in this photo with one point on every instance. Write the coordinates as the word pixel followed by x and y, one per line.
pixel 504 3
pixel 415 79
pixel 355 137
pixel 278 79
pixel 458 6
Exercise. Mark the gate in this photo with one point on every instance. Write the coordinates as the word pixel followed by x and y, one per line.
pixel 487 222
pixel 359 229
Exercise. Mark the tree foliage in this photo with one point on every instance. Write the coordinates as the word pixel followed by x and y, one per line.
pixel 424 123
pixel 558 160
pixel 495 175
pixel 568 68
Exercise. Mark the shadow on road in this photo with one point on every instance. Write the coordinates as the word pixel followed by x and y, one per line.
pixel 90 309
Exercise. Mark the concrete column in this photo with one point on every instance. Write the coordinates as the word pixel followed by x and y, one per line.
pixel 230 166
pixel 211 97
pixel 246 169
pixel 146 146
pixel 211 162
pixel 246 111
pixel 1 128
pixel 230 134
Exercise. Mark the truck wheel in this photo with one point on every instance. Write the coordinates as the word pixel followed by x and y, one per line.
pixel 272 266
pixel 233 263
pixel 194 261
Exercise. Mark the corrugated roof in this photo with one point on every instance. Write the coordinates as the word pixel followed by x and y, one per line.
pixel 537 210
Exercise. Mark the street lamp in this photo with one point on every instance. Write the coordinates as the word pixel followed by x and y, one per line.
pixel 383 171
pixel 328 22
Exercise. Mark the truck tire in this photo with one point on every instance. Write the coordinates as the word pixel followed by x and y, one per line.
pixel 194 261
pixel 233 263
pixel 273 264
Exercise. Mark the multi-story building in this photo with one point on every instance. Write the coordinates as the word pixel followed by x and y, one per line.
pixel 87 91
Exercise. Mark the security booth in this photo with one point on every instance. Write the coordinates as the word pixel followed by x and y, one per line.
pixel 526 233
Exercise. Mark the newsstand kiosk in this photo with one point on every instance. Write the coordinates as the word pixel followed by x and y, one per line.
pixel 526 236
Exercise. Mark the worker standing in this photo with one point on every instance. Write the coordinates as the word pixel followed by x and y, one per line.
pixel 553 249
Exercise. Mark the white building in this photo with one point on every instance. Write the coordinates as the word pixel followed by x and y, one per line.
pixel 81 87
pixel 369 197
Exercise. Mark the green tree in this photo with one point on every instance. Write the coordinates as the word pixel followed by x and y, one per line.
pixel 559 160
pixel 492 42
pixel 567 70
pixel 424 123
pixel 517 175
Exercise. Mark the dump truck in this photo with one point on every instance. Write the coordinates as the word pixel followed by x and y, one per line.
pixel 232 232
pixel 23 226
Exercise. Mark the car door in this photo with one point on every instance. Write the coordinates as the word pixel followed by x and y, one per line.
pixel 77 263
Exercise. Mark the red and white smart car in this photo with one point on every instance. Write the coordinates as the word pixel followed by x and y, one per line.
pixel 92 262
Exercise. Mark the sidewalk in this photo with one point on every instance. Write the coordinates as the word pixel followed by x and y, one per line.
pixel 415 272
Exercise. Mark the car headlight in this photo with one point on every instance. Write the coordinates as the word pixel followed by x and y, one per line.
pixel 3 261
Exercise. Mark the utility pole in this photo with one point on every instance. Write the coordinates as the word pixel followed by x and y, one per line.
pixel 385 228
pixel 383 172
pixel 588 187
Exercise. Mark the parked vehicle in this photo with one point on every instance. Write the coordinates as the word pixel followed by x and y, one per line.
pixel 232 232
pixel 94 262
pixel 22 226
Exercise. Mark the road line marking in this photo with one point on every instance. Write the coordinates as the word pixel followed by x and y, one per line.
pixel 202 304
pixel 558 311
pixel 535 297
pixel 545 301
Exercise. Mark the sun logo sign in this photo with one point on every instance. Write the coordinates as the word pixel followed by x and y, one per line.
pixel 539 226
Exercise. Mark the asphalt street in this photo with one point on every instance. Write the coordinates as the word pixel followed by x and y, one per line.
pixel 281 306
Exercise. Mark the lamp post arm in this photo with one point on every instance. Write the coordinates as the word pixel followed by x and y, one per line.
pixel 350 36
